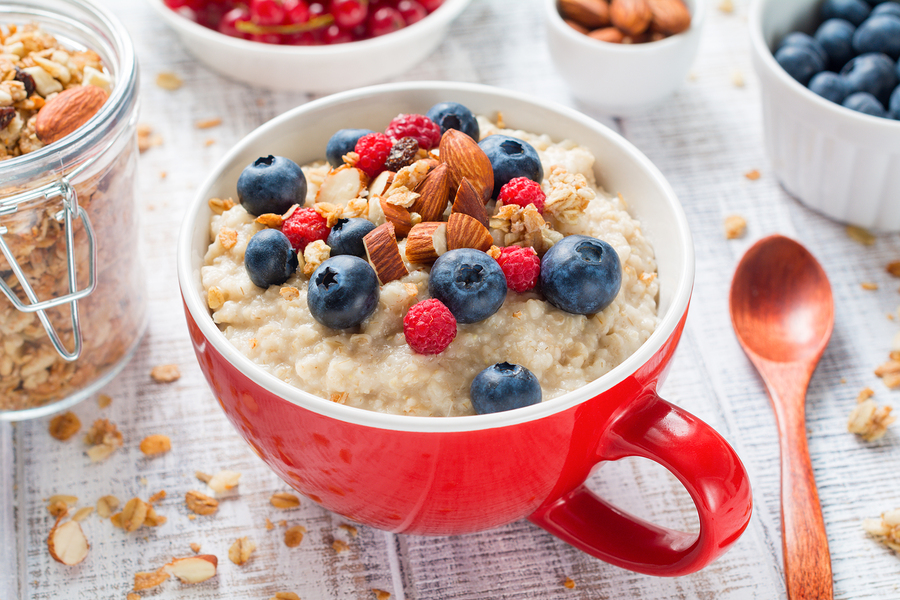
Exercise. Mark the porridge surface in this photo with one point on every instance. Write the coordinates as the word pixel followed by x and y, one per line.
pixel 372 367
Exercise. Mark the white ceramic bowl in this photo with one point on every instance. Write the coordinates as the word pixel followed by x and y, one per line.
pixel 318 69
pixel 840 162
pixel 622 79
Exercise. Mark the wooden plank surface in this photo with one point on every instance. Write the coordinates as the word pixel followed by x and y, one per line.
pixel 704 140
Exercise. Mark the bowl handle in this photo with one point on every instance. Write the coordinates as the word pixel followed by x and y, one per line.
pixel 698 456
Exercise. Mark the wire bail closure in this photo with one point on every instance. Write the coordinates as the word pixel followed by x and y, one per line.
pixel 70 211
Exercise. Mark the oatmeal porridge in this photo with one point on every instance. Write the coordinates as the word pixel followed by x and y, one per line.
pixel 371 365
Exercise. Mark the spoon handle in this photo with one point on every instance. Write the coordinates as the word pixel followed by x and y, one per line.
pixel 807 561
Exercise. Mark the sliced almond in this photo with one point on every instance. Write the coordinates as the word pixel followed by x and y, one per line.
pixel 434 194
pixel 464 231
pixel 384 253
pixel 193 569
pixel 468 202
pixel 426 241
pixel 342 185
pixel 466 159
pixel 67 543
pixel 145 580
pixel 375 214
pixel 67 111
pixel 400 217
pixel 224 481
pixel 106 506
pixel 380 184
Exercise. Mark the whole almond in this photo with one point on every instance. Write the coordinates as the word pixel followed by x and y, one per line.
pixel 384 253
pixel 434 194
pixel 399 216
pixel 591 14
pixel 468 202
pixel 67 543
pixel 464 231
pixel 608 34
pixel 67 111
pixel 631 16
pixel 426 241
pixel 466 159
pixel 577 26
pixel 669 16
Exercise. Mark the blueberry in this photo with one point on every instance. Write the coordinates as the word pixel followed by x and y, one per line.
pixel 504 386
pixel 271 184
pixel 874 73
pixel 836 37
pixel 342 292
pixel 453 115
pixel 880 33
pixel 800 62
pixel 855 11
pixel 894 104
pixel 886 8
pixel 830 86
pixel 864 102
pixel 581 274
pixel 510 158
pixel 798 38
pixel 269 258
pixel 342 142
pixel 346 237
pixel 469 282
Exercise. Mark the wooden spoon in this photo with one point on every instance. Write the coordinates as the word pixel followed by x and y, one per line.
pixel 783 313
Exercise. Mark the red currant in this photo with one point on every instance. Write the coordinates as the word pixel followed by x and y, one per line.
pixel 188 13
pixel 267 38
pixel 228 22
pixel 266 12
pixel 412 11
pixel 335 35
pixel 349 13
pixel 317 9
pixel 385 20
pixel 431 5
pixel 295 12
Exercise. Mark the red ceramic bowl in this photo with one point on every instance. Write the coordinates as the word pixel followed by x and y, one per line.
pixel 453 475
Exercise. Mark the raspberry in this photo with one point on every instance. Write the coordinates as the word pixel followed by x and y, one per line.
pixel 429 327
pixel 521 266
pixel 424 130
pixel 304 225
pixel 523 191
pixel 373 150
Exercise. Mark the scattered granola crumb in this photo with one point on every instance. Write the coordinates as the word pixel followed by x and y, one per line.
pixel 340 546
pixel 726 6
pixel 240 550
pixel 843 380
pixel 156 443
pixel 350 529
pixel 215 297
pixel 737 78
pixel 735 227
pixel 104 438
pixel 200 504
pixel 82 513
pixel 168 80
pixel 146 139
pixel 752 175
pixel 381 594
pixel 146 580
pixel 218 205
pixel 887 528
pixel 270 220
pixel 294 535
pixel 339 397
pixel 569 583
pixel 208 123
pixel 59 504
pixel 160 495
pixel 282 523
pixel 103 401
pixel 858 234
pixel 867 420
pixel 191 517
pixel 223 481
pixel 285 596
pixel 165 373
pixel 289 293
pixel 284 500
pixel 143 481
pixel 133 596
pixel 64 426
pixel 133 515
pixel 209 142
pixel 106 506
pixel 869 285
pixel 893 268
pixel 195 547
pixel 163 174
pixel 202 476
pixel 269 525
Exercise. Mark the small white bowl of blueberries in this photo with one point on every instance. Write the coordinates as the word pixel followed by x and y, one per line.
pixel 830 83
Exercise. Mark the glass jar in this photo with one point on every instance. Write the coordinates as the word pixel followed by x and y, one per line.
pixel 72 292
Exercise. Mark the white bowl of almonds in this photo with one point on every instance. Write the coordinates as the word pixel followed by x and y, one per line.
pixel 623 57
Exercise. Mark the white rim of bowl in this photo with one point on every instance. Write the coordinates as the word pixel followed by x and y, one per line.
pixel 767 58
pixel 444 14
pixel 187 279
pixel 554 19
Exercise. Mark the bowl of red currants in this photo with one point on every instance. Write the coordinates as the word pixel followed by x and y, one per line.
pixel 310 46
pixel 830 87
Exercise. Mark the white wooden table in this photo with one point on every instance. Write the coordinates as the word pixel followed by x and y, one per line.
pixel 704 140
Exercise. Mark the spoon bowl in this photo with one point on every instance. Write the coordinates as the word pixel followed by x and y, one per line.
pixel 782 311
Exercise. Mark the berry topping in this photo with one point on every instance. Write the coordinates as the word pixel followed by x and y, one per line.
pixel 347 235
pixel 304 225
pixel 403 153
pixel 469 282
pixel 373 150
pixel 424 130
pixel 510 158
pixel 504 386
pixel 385 20
pixel 342 142
pixel 342 292
pixel 581 274
pixel 269 259
pixel 349 13
pixel 429 327
pixel 271 184
pixel 523 191
pixel 453 115
pixel 521 266
pixel 412 11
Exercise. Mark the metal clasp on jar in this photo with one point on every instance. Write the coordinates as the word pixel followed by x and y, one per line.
pixel 69 213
